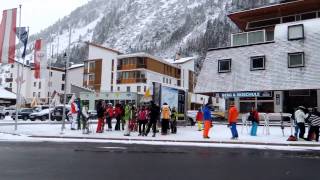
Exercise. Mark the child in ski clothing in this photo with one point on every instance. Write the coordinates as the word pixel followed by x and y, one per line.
pixel 142 120
pixel 85 119
pixel 233 119
pixel 254 118
pixel 127 117
pixel 74 114
pixel 207 120
pixel 173 122
pixel 199 119
pixel 314 120
pixel 300 116
pixel 109 116
pixel 117 115
pixel 165 115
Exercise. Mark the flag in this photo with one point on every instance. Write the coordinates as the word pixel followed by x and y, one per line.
pixel 7 36
pixel 22 35
pixel 37 58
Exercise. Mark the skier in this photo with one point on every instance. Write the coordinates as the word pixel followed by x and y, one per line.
pixel 109 116
pixel 73 113
pixel 300 116
pixel 85 119
pixel 199 119
pixel 118 114
pixel 142 120
pixel 127 117
pixel 165 117
pixel 154 115
pixel 233 119
pixel 100 114
pixel 78 102
pixel 173 122
pixel 254 118
pixel 207 120
pixel 314 120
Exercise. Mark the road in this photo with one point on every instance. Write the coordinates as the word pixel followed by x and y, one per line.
pixel 85 161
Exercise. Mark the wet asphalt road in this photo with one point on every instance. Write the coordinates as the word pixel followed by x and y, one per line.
pixel 86 161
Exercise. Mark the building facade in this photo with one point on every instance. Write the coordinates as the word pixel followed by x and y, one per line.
pixel 273 65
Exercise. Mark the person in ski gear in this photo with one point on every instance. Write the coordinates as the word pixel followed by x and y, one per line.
pixel 109 116
pixel 165 117
pixel 207 120
pixel 100 114
pixel 74 114
pixel 85 119
pixel 118 116
pixel 232 120
pixel 199 119
pixel 314 120
pixel 79 114
pixel 154 116
pixel 142 120
pixel 173 122
pixel 300 117
pixel 254 118
pixel 128 114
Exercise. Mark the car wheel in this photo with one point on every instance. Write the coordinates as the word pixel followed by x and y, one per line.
pixel 25 118
pixel 32 119
pixel 6 114
pixel 43 118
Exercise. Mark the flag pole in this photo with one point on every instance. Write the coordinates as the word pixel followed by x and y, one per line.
pixel 18 79
pixel 65 86
pixel 50 83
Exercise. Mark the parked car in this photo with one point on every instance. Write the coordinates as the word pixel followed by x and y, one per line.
pixel 216 115
pixel 23 114
pixel 8 111
pixel 58 112
pixel 41 115
pixel 93 114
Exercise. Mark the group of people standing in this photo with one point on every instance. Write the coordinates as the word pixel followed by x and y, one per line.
pixel 302 116
pixel 141 119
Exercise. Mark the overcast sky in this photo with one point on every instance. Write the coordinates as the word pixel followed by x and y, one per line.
pixel 39 14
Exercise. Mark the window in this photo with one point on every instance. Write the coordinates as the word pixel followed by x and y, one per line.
pixel 145 89
pixel 39 94
pixel 112 64
pixel 138 88
pixel 35 84
pixel 111 89
pixel 63 77
pixel 164 79
pixel 256 37
pixel 62 87
pixel 39 85
pixel 118 89
pixel 288 19
pixel 169 81
pixel 34 94
pixel 295 32
pixel 224 66
pixel 92 65
pixel 306 16
pixel 296 60
pixel 257 63
pixel 10 85
pixel 11 75
pixel 91 77
pixel 128 89
pixel 51 74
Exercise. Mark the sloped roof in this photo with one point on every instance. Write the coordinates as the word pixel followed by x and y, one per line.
pixel 5 94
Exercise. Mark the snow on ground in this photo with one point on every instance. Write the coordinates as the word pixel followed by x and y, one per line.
pixel 187 136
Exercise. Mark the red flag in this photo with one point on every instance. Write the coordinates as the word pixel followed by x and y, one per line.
pixel 8 36
pixel 37 58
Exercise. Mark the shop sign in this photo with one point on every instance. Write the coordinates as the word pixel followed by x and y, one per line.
pixel 247 94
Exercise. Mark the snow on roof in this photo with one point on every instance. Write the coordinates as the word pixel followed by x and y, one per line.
pixel 181 60
pixel 5 94
pixel 76 66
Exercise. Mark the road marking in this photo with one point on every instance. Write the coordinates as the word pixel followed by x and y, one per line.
pixel 112 148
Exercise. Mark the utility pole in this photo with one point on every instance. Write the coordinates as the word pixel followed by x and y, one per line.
pixel 65 84
pixel 18 80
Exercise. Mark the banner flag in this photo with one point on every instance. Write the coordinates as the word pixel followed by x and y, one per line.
pixel 22 34
pixel 8 36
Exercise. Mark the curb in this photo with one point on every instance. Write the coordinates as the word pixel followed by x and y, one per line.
pixel 180 141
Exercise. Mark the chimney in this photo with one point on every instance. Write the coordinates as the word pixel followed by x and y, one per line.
pixel 178 56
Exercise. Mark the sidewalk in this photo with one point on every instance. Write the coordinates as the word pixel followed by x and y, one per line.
pixel 220 136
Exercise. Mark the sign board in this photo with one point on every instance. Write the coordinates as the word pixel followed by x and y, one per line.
pixel 247 94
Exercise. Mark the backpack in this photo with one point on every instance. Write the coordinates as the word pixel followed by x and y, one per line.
pixel 142 115
pixel 165 113
pixel 292 138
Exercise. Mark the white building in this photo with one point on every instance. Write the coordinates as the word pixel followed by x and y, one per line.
pixel 273 65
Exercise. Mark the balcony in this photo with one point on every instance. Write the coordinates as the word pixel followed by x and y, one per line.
pixel 9 80
pixel 131 81
pixel 131 66
pixel 252 37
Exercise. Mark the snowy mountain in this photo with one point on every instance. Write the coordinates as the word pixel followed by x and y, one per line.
pixel 159 27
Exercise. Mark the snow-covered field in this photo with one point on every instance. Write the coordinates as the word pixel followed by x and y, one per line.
pixel 186 136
